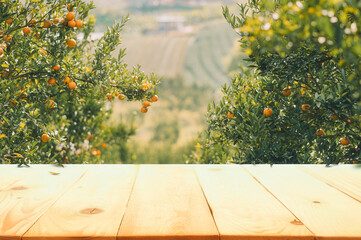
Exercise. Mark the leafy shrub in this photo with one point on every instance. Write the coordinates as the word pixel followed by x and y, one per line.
pixel 300 102
pixel 55 81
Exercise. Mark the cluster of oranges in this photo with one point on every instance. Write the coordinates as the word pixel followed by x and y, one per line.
pixel 67 80
pixel 68 21
pixel 146 104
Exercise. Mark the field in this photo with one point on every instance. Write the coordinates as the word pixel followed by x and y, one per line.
pixel 191 62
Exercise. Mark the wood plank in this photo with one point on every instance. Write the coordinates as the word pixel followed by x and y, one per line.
pixel 26 193
pixel 345 178
pixel 328 213
pixel 167 203
pixel 91 208
pixel 244 209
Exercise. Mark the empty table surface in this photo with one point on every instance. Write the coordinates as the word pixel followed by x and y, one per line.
pixel 166 202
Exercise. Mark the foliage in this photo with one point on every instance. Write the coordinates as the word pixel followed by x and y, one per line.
pixel 52 91
pixel 301 102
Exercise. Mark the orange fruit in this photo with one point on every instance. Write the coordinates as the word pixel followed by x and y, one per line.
pixel 146 104
pixel 230 115
pixel 71 23
pixel 56 68
pixel 154 98
pixel 334 116
pixel 144 110
pixel 9 21
pixel 71 43
pixel 70 16
pixel 116 94
pixel 304 87
pixel 32 22
pixel 309 75
pixel 56 20
pixel 145 87
pixel 47 24
pixel 305 107
pixel 51 103
pixel 78 23
pixel 348 121
pixel 320 132
pixel 52 81
pixel 121 96
pixel 67 80
pixel 70 7
pixel 104 145
pixel 7 38
pixel 26 30
pixel 287 91
pixel 345 141
pixel 45 138
pixel 109 96
pixel 267 112
pixel 38 34
pixel 72 85
pixel 1 51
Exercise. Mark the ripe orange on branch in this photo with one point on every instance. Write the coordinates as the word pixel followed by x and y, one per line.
pixel 45 138
pixel 67 80
pixel 287 91
pixel 72 85
pixel 154 98
pixel 320 132
pixel 345 141
pixel 70 16
pixel 144 110
pixel 267 112
pixel 26 30
pixel 305 107
pixel 52 81
pixel 230 115
pixel 121 96
pixel 56 68
pixel 1 51
pixel 71 24
pixel 146 104
pixel 71 43
pixel 78 23
pixel 47 24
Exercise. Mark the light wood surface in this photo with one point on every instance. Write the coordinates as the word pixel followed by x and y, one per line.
pixel 242 207
pixel 26 193
pixel 167 203
pixel 345 178
pixel 93 207
pixel 327 212
pixel 180 202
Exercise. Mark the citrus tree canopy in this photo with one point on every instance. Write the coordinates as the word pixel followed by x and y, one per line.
pixel 300 99
pixel 55 81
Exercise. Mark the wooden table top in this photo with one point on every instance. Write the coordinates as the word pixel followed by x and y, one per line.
pixel 174 202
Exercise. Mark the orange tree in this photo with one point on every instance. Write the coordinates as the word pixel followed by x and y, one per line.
pixel 55 82
pixel 300 102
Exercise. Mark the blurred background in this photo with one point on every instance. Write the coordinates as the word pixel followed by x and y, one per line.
pixel 191 47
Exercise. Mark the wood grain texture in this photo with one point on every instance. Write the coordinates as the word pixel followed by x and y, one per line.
pixel 26 193
pixel 345 178
pixel 244 209
pixel 91 208
pixel 167 203
pixel 328 213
